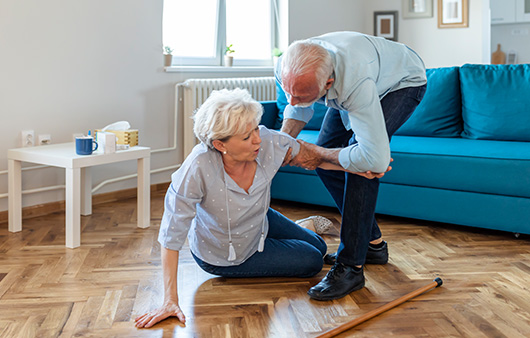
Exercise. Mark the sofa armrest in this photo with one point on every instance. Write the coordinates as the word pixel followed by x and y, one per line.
pixel 270 114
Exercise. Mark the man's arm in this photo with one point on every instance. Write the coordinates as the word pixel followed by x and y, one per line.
pixel 312 156
pixel 292 127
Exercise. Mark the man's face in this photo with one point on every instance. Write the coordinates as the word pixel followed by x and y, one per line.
pixel 303 90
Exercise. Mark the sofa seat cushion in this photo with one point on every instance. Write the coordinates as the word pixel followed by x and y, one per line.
pixel 483 166
pixel 496 102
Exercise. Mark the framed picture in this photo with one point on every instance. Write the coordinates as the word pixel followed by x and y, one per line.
pixel 385 25
pixel 452 13
pixel 417 9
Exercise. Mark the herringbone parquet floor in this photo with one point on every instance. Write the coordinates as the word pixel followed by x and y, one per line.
pixel 98 289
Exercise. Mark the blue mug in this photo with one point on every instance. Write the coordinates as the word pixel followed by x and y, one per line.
pixel 85 145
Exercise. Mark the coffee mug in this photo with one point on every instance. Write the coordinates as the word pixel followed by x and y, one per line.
pixel 85 145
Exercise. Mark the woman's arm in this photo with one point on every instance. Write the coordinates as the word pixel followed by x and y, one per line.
pixel 170 259
pixel 369 175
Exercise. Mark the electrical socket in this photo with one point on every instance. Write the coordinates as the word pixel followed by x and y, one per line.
pixel 28 138
pixel 44 139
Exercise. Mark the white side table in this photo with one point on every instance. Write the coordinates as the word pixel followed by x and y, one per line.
pixel 78 182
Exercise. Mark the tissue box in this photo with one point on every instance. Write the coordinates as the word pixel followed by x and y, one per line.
pixel 125 137
pixel 106 142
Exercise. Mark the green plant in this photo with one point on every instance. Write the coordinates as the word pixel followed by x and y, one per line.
pixel 277 52
pixel 168 50
pixel 229 50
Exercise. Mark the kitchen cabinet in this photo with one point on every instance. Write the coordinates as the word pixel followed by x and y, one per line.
pixel 509 11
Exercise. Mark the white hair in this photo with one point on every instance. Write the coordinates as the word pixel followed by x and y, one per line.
pixel 224 114
pixel 306 56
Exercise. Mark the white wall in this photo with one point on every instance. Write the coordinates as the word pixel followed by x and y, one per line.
pixel 440 47
pixel 520 43
pixel 309 18
pixel 71 66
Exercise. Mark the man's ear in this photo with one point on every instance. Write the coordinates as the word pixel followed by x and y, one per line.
pixel 219 145
pixel 329 83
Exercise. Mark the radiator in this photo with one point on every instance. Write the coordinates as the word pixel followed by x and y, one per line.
pixel 192 93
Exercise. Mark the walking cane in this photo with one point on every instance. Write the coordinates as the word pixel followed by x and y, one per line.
pixel 348 325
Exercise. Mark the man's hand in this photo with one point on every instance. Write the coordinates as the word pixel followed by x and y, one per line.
pixel 288 157
pixel 309 157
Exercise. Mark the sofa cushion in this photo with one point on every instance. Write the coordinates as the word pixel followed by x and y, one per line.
pixel 439 113
pixel 313 124
pixel 483 166
pixel 496 102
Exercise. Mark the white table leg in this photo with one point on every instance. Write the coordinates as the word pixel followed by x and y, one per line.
pixel 73 207
pixel 15 195
pixel 144 192
pixel 86 191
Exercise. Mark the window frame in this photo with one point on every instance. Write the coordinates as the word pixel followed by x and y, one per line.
pixel 220 43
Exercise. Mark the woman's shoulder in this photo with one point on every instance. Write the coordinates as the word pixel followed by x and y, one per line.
pixel 201 159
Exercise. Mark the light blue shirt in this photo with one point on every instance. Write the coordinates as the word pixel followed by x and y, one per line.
pixel 366 68
pixel 205 204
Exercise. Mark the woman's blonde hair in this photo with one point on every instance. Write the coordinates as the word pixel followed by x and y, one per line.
pixel 224 114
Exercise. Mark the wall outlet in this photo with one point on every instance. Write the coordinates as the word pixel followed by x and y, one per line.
pixel 27 138
pixel 44 139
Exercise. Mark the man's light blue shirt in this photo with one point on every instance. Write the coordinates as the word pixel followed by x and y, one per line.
pixel 366 68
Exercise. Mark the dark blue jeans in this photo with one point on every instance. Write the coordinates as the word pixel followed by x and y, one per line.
pixel 290 251
pixel 354 195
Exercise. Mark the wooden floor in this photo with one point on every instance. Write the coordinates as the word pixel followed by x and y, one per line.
pixel 98 289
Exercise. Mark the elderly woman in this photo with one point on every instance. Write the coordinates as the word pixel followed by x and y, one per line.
pixel 219 199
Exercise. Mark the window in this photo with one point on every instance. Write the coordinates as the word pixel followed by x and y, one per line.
pixel 198 31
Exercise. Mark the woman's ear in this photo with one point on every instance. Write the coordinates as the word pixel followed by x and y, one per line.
pixel 219 146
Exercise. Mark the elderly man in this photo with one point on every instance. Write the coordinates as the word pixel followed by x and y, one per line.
pixel 371 86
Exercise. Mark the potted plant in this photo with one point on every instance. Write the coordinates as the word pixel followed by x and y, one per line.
pixel 168 57
pixel 229 59
pixel 276 53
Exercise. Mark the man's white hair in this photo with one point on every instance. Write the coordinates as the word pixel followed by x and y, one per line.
pixel 305 56
pixel 224 114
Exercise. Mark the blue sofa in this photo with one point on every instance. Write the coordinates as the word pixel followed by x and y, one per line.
pixel 462 158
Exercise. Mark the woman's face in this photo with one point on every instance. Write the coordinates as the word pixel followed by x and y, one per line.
pixel 245 146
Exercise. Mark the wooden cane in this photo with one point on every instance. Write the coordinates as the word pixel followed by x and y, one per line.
pixel 348 325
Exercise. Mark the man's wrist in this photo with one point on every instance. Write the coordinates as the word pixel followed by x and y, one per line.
pixel 330 156
pixel 292 127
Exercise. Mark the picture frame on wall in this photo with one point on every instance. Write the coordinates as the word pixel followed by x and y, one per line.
pixel 413 9
pixel 385 25
pixel 453 13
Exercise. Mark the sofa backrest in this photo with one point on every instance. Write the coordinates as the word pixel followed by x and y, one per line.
pixel 439 114
pixel 496 102
pixel 316 121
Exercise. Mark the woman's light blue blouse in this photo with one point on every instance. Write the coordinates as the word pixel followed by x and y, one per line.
pixel 204 203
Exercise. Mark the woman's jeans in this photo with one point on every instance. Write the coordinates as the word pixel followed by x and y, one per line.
pixel 354 195
pixel 290 251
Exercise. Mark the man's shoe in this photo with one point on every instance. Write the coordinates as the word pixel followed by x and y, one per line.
pixel 340 281
pixel 373 255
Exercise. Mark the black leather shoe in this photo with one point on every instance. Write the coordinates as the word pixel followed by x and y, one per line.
pixel 373 256
pixel 340 281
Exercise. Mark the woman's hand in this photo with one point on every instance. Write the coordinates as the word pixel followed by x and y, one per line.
pixel 169 309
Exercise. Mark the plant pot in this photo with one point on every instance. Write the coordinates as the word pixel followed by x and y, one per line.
pixel 168 58
pixel 229 60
